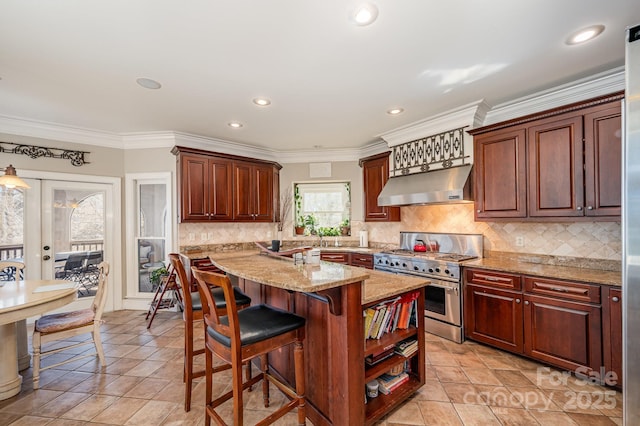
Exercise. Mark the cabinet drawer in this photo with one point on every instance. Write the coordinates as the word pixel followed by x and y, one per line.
pixel 362 260
pixel 335 257
pixel 564 289
pixel 493 279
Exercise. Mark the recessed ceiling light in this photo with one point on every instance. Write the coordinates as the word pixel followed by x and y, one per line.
pixel 235 124
pixel 364 14
pixel 395 111
pixel 147 83
pixel 262 101
pixel 585 34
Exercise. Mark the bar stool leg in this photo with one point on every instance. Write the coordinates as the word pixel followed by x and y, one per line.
pixel 208 395
pixel 188 363
pixel 238 409
pixel 298 359
pixel 264 366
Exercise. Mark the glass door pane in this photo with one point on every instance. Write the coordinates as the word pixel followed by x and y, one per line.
pixel 151 238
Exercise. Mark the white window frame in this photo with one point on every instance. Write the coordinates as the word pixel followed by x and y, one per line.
pixel 134 299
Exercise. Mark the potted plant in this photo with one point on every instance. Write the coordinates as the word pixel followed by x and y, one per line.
pixel 310 223
pixel 299 225
pixel 155 276
pixel 345 228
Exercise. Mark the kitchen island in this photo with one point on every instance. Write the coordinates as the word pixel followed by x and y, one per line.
pixel 332 298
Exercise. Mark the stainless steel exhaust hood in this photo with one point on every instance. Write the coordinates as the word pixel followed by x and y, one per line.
pixel 452 185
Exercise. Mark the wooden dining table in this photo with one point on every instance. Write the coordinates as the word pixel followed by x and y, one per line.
pixel 20 300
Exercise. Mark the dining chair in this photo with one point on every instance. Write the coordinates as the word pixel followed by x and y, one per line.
pixel 237 337
pixel 61 326
pixel 11 270
pixel 193 313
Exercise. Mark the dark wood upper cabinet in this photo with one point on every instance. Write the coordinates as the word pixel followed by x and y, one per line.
pixel 501 180
pixel 557 164
pixel 375 173
pixel 556 173
pixel 226 188
pixel 603 160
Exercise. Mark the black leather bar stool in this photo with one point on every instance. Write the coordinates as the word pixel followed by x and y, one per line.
pixel 192 313
pixel 240 336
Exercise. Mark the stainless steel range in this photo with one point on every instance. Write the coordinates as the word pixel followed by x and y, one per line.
pixel 435 256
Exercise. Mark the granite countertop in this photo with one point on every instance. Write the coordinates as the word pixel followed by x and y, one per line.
pixel 587 275
pixel 281 272
pixel 383 285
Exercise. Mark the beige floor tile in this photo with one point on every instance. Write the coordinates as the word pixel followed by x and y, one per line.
pixel 120 411
pixel 439 413
pixel 552 418
pixel 63 403
pixel 407 414
pixel 586 419
pixel 25 420
pixel 476 415
pixel 463 393
pixel 481 376
pixel 514 416
pixel 89 408
pixel 147 388
pixel 152 413
pixel 451 374
pixel 512 378
pixel 145 368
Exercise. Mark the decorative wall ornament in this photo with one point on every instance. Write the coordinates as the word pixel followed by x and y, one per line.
pixel 34 151
pixel 445 150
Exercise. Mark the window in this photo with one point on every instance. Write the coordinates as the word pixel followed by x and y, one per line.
pixel 323 208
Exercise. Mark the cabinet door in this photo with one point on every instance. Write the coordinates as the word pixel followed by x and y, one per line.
pixel 220 190
pixel 194 188
pixel 375 174
pixel 603 159
pixel 556 167
pixel 562 333
pixel 263 194
pixel 362 260
pixel 242 185
pixel 500 174
pixel 612 333
pixel 494 317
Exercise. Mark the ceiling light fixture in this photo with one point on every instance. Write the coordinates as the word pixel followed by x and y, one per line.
pixel 235 124
pixel 364 14
pixel 395 111
pixel 585 34
pixel 262 101
pixel 147 83
pixel 11 180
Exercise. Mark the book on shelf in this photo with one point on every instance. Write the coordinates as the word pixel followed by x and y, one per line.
pixel 390 315
pixel 375 358
pixel 407 348
pixel 388 383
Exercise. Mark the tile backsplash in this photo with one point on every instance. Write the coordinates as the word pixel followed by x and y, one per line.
pixel 596 240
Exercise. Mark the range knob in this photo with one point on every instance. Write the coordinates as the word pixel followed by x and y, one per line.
pixel 416 268
pixel 404 265
pixel 446 271
pixel 438 270
pixel 431 270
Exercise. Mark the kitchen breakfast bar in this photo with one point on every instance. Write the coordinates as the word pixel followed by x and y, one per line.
pixel 332 297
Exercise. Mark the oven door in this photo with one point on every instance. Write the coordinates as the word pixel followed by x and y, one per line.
pixel 442 301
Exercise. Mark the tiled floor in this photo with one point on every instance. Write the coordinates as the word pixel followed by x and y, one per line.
pixel 467 384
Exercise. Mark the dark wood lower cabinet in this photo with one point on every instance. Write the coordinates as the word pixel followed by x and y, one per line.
pixel 558 322
pixel 494 317
pixel 612 334
pixel 563 333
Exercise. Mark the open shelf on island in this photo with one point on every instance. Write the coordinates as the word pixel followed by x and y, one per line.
pixel 377 407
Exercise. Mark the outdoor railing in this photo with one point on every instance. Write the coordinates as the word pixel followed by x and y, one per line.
pixel 87 245
pixel 11 252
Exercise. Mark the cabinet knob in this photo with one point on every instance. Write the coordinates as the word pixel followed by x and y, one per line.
pixel 526 302
pixel 615 298
pixel 478 211
pixel 517 300
pixel 579 208
pixel 589 207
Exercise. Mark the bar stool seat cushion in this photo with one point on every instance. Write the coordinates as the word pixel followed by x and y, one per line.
pixel 218 297
pixel 259 323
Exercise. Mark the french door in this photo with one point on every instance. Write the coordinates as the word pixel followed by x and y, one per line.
pixel 70 226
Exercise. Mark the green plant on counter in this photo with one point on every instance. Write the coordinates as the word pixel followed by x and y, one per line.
pixel 327 231
pixel 310 222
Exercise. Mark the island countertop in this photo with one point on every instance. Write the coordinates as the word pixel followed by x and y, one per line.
pixel 281 272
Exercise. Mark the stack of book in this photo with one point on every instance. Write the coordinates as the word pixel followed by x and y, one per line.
pixel 390 383
pixel 392 314
pixel 407 348
pixel 381 355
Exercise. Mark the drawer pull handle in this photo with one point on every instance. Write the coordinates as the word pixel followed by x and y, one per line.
pixel 562 289
pixel 615 298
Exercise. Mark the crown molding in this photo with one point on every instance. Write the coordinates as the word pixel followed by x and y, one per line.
pixel 580 90
pixel 59 132
pixel 468 115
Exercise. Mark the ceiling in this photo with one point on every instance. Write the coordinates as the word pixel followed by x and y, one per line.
pixel 75 63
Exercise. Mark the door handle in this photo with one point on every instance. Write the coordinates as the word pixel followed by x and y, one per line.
pixel 46 257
